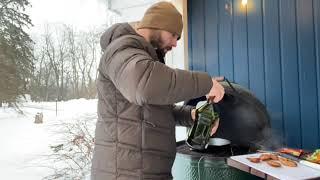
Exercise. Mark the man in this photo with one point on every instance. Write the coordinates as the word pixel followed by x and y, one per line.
pixel 135 132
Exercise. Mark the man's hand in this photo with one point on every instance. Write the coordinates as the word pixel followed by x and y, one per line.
pixel 193 114
pixel 219 78
pixel 217 91
pixel 215 127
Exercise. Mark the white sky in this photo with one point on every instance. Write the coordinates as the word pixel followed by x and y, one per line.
pixel 80 13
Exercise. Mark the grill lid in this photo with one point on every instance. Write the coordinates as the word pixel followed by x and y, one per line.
pixel 244 120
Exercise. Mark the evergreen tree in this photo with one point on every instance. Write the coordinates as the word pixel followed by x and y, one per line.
pixel 16 60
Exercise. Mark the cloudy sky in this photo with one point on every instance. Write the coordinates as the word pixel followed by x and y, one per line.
pixel 80 13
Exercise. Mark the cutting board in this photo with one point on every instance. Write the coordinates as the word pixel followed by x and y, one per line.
pixel 264 170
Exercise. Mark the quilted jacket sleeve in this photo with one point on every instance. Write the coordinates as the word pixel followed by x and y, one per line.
pixel 142 80
pixel 182 115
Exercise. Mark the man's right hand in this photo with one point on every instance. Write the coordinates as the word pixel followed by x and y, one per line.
pixel 217 91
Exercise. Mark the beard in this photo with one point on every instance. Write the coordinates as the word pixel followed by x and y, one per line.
pixel 161 55
pixel 155 39
pixel 157 43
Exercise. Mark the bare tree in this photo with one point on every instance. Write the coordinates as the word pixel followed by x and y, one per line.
pixel 93 45
pixel 51 53
pixel 39 85
pixel 62 58
pixel 47 75
pixel 66 64
pixel 72 47
pixel 82 64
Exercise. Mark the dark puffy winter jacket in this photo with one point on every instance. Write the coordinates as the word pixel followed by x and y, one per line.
pixel 135 131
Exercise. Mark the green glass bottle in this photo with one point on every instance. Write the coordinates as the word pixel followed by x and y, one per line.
pixel 199 134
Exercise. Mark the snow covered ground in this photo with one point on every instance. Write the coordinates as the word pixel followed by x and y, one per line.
pixel 24 143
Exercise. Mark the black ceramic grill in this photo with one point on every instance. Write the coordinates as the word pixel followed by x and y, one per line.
pixel 209 164
pixel 216 151
pixel 243 120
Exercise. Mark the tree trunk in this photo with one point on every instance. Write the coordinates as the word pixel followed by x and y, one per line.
pixel 75 78
pixel 46 93
pixel 58 87
pixel 46 82
pixel 83 85
pixel 61 86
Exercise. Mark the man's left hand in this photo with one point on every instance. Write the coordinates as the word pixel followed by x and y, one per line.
pixel 215 127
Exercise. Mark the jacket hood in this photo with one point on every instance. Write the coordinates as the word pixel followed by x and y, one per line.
pixel 114 32
pixel 122 29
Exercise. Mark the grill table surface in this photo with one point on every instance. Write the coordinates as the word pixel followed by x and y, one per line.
pixel 263 170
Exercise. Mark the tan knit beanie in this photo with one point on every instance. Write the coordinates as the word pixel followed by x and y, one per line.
pixel 163 16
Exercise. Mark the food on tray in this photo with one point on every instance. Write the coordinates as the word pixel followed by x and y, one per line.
pixel 294 152
pixel 254 160
pixel 273 160
pixel 274 157
pixel 314 157
pixel 265 157
pixel 274 163
pixel 287 162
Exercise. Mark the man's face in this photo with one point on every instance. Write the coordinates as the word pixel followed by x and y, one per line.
pixel 163 40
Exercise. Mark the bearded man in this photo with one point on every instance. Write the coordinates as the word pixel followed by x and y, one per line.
pixel 137 92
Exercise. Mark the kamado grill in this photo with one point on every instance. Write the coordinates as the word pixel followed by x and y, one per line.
pixel 208 164
pixel 244 123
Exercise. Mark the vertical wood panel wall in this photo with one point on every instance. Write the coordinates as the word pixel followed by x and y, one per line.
pixel 271 47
